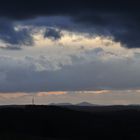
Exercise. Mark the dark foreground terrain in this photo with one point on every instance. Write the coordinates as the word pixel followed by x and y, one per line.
pixel 69 123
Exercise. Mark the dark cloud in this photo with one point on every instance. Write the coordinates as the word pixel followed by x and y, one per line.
pixel 13 37
pixel 123 26
pixel 29 8
pixel 120 19
pixel 52 34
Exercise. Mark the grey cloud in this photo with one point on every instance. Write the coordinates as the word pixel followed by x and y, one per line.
pixel 95 75
pixel 11 47
pixel 82 74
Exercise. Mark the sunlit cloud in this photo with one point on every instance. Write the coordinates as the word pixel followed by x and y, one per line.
pixel 41 94
pixel 13 95
pixel 101 91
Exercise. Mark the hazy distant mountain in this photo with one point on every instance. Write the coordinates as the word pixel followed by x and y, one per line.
pixel 85 104
pixel 69 104
pixel 61 104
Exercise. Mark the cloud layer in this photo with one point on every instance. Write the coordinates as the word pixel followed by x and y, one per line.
pixel 65 65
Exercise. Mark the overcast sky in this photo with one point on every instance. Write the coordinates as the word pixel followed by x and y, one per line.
pixel 70 51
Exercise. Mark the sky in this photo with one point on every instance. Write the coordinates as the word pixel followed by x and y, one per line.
pixel 70 51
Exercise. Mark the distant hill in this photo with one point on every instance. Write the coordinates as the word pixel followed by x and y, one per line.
pixel 85 104
pixel 61 104
pixel 70 104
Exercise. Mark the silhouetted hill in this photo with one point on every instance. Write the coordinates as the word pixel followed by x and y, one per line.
pixel 69 104
pixel 64 123
pixel 85 104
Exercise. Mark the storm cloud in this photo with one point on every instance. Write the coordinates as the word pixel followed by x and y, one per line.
pixel 13 38
pixel 53 34
pixel 119 19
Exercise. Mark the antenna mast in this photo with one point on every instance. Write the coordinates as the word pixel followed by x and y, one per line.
pixel 33 100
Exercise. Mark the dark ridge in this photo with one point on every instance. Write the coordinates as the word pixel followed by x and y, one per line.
pixel 60 122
